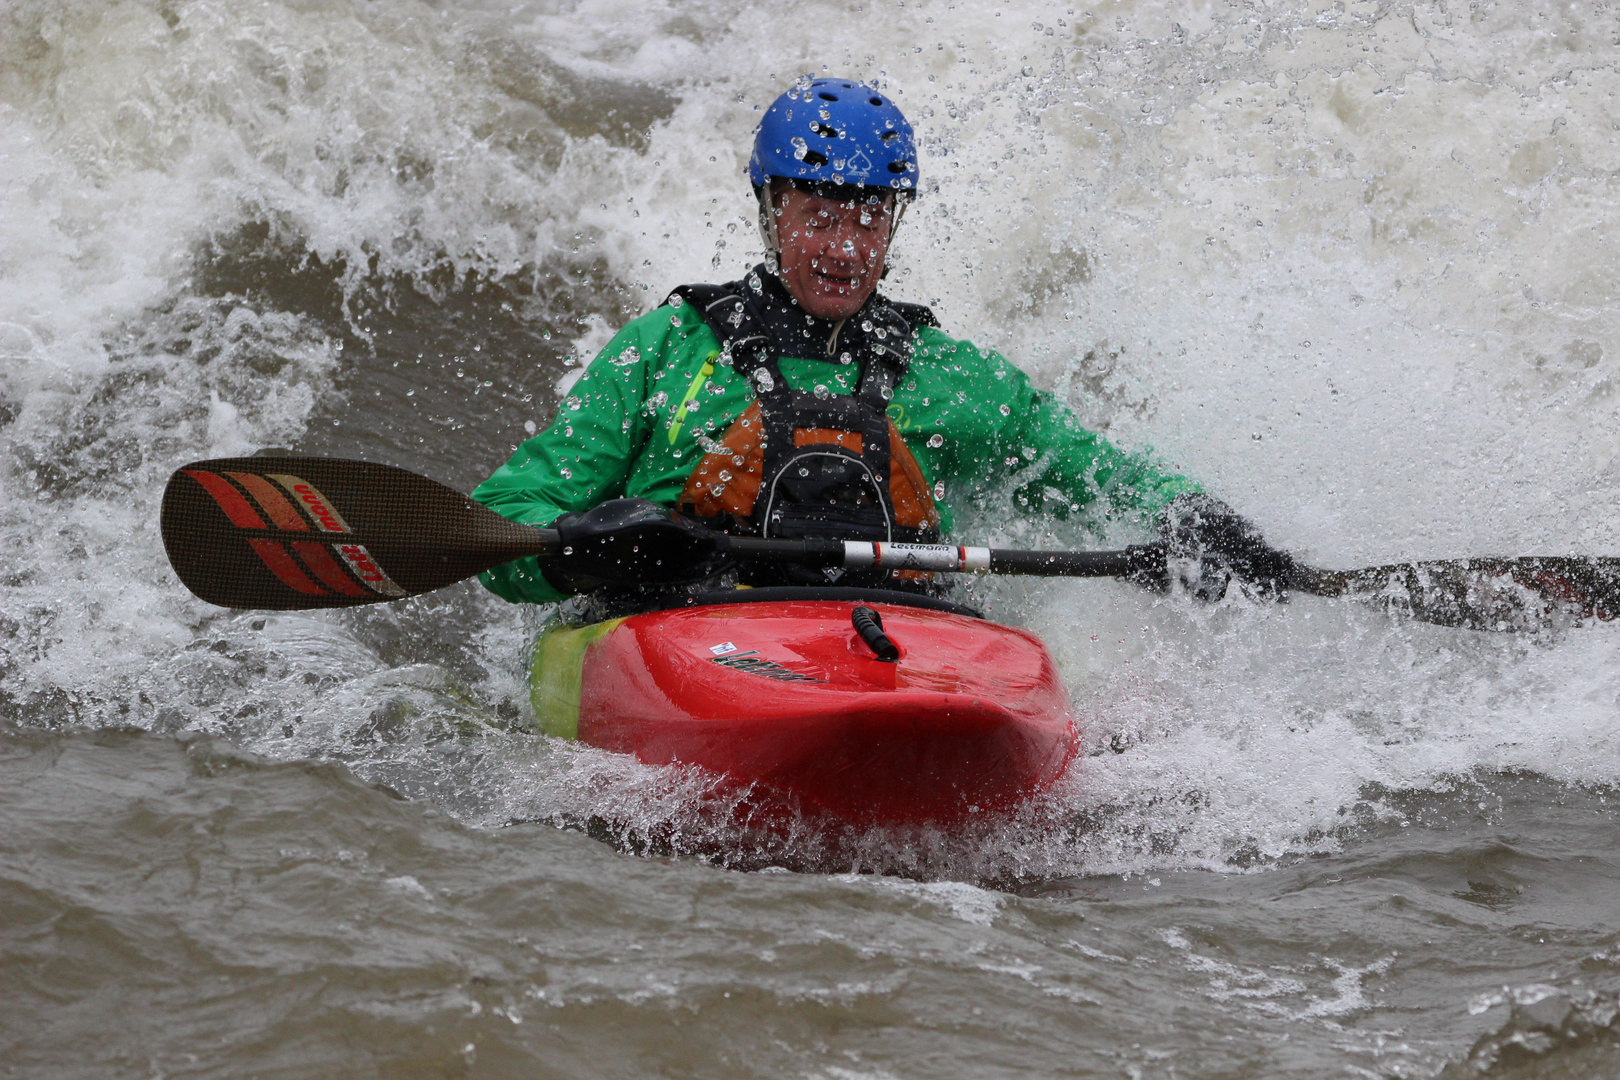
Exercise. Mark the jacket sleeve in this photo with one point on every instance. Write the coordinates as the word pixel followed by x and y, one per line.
pixel 581 459
pixel 1057 465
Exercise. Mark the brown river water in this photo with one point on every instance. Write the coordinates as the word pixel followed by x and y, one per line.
pixel 1352 265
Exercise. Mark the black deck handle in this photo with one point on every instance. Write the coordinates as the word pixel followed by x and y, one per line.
pixel 869 624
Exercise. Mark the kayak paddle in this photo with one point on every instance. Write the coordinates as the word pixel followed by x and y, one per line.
pixel 293 533
pixel 288 533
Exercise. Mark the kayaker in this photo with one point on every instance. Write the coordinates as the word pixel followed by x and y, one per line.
pixel 800 401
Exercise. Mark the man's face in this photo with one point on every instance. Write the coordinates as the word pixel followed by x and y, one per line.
pixel 832 250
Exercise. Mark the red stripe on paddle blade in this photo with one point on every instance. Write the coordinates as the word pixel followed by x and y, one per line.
pixel 274 502
pixel 318 559
pixel 230 500
pixel 281 564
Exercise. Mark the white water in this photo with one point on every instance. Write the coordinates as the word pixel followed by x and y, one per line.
pixel 1351 265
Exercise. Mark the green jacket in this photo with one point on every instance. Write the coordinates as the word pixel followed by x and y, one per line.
pixel 637 421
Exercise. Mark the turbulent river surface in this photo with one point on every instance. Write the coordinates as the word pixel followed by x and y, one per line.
pixel 1351 264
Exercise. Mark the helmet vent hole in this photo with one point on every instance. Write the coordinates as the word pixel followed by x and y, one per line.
pixel 899 166
pixel 876 101
pixel 824 96
pixel 816 160
pixel 887 135
pixel 826 131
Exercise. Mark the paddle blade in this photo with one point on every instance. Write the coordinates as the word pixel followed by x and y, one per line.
pixel 1529 593
pixel 289 533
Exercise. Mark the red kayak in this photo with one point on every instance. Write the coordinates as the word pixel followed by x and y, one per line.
pixel 777 689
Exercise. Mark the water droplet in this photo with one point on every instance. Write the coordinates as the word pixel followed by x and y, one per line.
pixel 572 402
pixel 799 148
pixel 568 550
pixel 724 474
pixel 803 471
pixel 939 490
pixel 763 380
pixel 675 320
pixel 936 440
pixel 1257 436
pixel 566 473
pixel 1006 410
pixel 821 391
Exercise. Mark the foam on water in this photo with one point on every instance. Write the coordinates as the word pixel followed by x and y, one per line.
pixel 1351 265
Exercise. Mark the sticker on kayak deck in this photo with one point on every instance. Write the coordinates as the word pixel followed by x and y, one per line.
pixel 755 664
pixel 722 649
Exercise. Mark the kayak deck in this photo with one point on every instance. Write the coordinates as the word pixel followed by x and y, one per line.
pixel 786 698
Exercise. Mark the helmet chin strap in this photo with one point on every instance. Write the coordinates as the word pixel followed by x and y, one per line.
pixel 894 227
pixel 767 229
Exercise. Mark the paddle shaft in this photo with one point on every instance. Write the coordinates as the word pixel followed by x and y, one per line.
pixel 1479 594
pixel 944 558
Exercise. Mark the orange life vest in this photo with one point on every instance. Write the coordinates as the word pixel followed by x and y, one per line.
pixel 796 464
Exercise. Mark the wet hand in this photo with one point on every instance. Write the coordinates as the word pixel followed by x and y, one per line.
pixel 1207 545
pixel 629 542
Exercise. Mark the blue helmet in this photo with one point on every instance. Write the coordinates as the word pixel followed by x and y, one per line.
pixel 835 132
